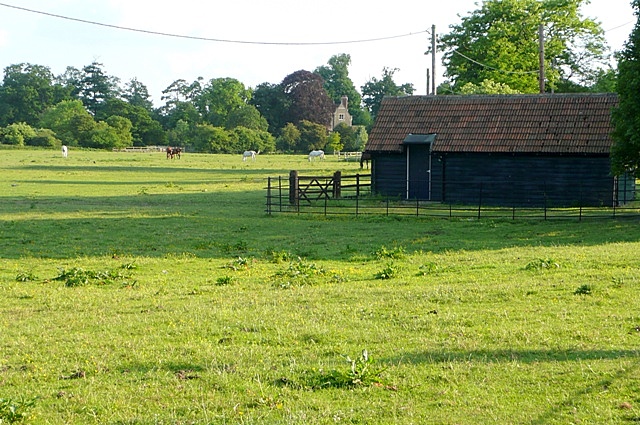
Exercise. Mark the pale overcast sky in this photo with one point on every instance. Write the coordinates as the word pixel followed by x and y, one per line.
pixel 251 27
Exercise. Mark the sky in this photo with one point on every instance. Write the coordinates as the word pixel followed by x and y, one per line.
pixel 253 41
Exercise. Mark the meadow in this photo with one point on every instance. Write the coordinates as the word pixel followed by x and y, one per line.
pixel 140 290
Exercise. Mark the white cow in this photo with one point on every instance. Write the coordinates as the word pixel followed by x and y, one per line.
pixel 316 154
pixel 249 154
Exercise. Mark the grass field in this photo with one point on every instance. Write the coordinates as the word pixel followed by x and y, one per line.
pixel 139 290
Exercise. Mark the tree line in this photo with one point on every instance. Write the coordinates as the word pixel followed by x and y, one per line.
pixel 89 108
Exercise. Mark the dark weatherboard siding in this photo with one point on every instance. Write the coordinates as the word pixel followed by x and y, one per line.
pixel 526 180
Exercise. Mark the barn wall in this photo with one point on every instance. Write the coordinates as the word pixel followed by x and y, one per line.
pixel 526 180
pixel 388 174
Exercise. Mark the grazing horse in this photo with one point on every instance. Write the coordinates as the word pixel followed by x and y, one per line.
pixel 366 156
pixel 316 154
pixel 176 152
pixel 249 154
pixel 169 152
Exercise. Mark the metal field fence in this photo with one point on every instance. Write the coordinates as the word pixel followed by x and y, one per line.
pixel 353 195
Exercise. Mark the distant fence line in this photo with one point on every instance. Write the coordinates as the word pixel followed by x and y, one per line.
pixel 141 149
pixel 352 195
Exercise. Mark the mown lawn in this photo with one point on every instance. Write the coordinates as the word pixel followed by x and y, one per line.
pixel 140 290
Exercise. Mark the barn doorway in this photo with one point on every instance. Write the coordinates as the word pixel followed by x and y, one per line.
pixel 418 151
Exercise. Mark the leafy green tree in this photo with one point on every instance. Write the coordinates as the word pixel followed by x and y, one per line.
pixel 246 116
pixel 334 143
pixel 606 81
pixel 181 135
pixel 180 91
pixel 96 87
pixel 288 139
pixel 70 80
pixel 181 111
pixel 362 137
pixel 145 130
pixel 69 120
pixel 375 90
pixel 625 153
pixel 250 139
pixel 499 42
pixel 122 127
pixel 338 84
pixel 219 97
pixel 27 90
pixel 84 127
pixel 101 136
pixel 272 103
pixel 17 133
pixel 487 87
pixel 308 99
pixel 210 139
pixel 44 137
pixel 137 94
pixel 312 136
pixel 347 137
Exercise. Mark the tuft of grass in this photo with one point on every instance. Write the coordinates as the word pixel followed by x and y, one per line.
pixel 224 280
pixel 396 253
pixel 542 264
pixel 26 277
pixel 14 411
pixel 390 271
pixel 585 289
pixel 77 276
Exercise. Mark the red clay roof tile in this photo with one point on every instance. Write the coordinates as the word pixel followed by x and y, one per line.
pixel 543 123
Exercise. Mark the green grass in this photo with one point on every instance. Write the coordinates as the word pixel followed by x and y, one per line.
pixel 137 290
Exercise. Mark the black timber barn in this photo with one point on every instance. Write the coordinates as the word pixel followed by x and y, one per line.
pixel 524 150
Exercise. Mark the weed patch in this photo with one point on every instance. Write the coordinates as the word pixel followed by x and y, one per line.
pixel 77 276
pixel 359 371
pixel 298 273
pixel 542 264
pixel 396 253
pixel 26 277
pixel 389 272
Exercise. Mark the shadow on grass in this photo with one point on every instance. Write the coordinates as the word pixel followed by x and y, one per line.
pixel 226 224
pixel 502 356
pixel 241 170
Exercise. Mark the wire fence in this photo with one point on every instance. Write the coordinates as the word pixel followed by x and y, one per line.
pixel 353 195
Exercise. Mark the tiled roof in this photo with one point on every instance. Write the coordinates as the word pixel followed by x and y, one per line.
pixel 542 123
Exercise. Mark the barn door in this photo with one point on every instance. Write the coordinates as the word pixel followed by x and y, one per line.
pixel 419 171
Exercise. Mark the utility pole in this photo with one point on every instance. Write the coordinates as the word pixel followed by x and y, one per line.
pixel 433 59
pixel 428 81
pixel 541 52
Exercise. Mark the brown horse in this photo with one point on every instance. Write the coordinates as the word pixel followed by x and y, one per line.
pixel 366 156
pixel 173 152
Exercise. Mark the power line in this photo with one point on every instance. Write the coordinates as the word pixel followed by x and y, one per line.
pixel 491 67
pixel 218 40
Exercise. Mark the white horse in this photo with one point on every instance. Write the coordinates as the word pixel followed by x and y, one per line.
pixel 316 154
pixel 249 154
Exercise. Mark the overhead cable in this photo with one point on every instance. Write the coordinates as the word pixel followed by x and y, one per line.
pixel 218 40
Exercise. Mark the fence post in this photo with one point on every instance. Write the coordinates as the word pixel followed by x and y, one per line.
pixel 357 185
pixel 480 201
pixel 294 196
pixel 280 192
pixel 337 184
pixel 269 195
